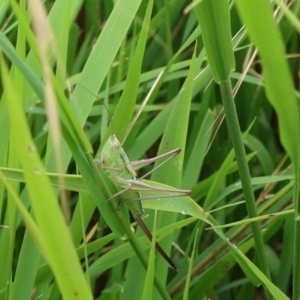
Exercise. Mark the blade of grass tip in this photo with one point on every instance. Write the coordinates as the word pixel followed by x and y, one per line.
pixel 215 23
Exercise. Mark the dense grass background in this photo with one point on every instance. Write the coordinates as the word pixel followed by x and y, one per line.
pixel 74 72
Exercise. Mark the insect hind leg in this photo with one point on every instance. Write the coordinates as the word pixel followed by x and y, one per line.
pixel 119 203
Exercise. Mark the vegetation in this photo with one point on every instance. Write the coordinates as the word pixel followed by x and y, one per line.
pixel 159 75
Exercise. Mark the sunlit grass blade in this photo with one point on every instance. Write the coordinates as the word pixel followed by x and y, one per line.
pixel 120 121
pixel 102 56
pixel 56 236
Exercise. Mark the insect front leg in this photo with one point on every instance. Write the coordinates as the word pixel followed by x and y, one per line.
pixel 122 185
pixel 117 194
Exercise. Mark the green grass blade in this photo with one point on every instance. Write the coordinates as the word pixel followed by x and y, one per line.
pixel 214 20
pixel 102 56
pixel 148 287
pixel 236 139
pixel 120 121
pixel 188 281
pixel 266 37
pixel 58 239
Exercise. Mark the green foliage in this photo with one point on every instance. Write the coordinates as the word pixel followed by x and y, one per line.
pixel 74 72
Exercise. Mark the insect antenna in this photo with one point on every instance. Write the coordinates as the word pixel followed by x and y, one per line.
pixel 106 120
pixel 148 96
pixel 106 114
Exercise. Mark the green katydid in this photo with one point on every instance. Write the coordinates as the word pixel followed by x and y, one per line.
pixel 114 161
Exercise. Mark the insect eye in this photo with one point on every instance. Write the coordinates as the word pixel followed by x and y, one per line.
pixel 100 161
pixel 116 144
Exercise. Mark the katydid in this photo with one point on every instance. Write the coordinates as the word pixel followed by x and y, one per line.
pixel 114 161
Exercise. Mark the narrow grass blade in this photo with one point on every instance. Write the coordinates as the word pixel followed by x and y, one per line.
pixel 56 237
pixel 267 39
pixel 214 20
